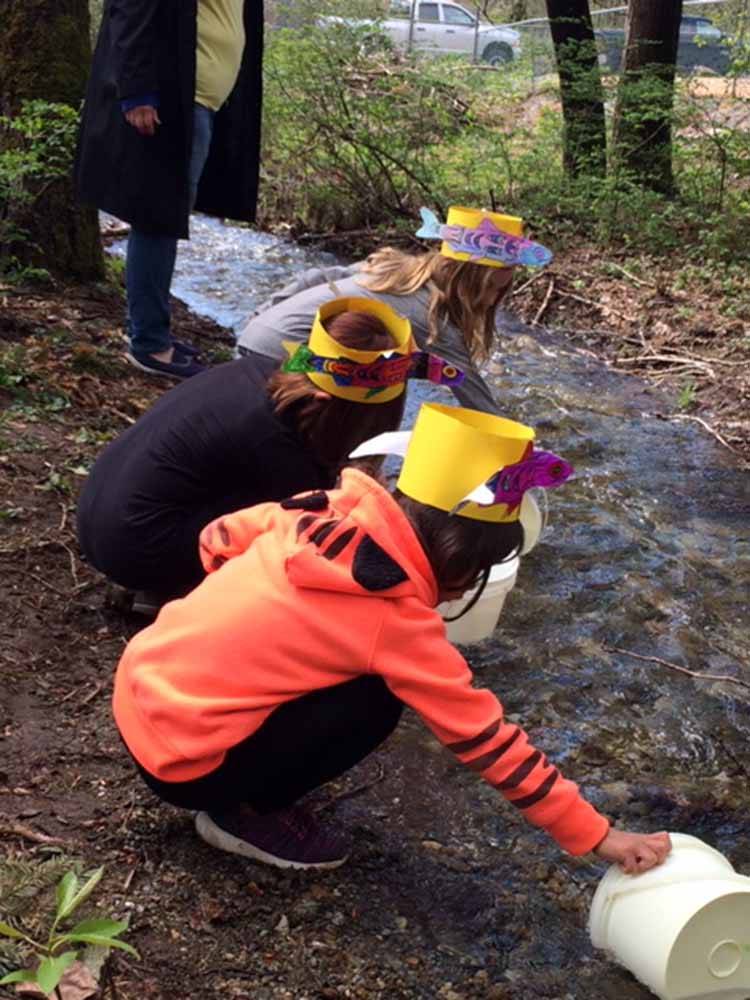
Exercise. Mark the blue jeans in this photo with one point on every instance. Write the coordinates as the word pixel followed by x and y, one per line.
pixel 150 259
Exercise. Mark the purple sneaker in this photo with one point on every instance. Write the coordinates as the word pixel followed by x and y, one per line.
pixel 290 838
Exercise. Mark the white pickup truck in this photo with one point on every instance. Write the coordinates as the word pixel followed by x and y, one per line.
pixel 445 29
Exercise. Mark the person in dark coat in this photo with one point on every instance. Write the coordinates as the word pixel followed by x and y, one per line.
pixel 171 122
pixel 238 434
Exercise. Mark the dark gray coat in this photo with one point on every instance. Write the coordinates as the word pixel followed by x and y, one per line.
pixel 148 46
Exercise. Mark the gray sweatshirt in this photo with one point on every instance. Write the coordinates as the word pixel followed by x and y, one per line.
pixel 289 315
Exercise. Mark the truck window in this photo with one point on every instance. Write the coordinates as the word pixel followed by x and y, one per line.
pixel 457 15
pixel 428 12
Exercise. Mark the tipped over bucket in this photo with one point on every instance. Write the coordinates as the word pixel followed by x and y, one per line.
pixel 683 928
pixel 480 622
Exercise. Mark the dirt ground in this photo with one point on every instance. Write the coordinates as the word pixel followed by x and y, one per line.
pixel 209 926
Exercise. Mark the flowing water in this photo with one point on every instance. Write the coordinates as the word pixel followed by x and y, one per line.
pixel 648 551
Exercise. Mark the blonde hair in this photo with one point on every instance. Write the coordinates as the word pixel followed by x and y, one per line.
pixel 462 292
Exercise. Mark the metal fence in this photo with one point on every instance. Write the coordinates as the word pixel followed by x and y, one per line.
pixel 704 45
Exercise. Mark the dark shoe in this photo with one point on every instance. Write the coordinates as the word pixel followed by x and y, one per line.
pixel 290 838
pixel 180 366
pixel 184 348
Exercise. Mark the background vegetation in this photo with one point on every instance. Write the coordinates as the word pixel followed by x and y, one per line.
pixel 358 136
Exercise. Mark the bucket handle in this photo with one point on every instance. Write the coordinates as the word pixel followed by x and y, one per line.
pixel 734 877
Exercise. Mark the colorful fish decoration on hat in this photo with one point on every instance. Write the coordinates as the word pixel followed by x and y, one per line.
pixel 389 369
pixel 536 469
pixel 485 241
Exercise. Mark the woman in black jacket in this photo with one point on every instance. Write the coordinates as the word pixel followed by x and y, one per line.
pixel 237 435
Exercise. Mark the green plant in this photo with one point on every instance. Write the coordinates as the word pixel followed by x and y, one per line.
pixel 14 374
pixel 52 959
pixel 115 271
pixel 687 395
pixel 37 150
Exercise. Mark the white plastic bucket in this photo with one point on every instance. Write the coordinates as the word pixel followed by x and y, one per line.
pixel 480 622
pixel 682 928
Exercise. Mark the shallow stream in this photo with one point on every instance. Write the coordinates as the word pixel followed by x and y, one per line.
pixel 648 550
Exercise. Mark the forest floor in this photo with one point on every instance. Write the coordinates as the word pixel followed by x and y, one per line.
pixel 67 793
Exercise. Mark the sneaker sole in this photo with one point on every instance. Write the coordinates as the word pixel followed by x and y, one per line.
pixel 151 371
pixel 207 830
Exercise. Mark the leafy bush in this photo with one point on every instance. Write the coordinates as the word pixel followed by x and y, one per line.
pixel 38 146
pixel 357 136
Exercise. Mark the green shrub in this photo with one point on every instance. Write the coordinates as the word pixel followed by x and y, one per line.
pixel 37 149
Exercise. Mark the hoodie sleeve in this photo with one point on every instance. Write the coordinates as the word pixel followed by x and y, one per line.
pixel 424 670
pixel 232 534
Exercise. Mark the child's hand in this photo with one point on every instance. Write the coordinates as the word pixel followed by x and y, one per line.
pixel 634 852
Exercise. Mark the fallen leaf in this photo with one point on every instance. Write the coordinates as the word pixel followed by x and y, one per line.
pixel 77 983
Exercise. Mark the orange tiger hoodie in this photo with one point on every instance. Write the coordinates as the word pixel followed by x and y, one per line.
pixel 303 595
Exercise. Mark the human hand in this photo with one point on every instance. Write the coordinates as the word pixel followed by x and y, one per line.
pixel 634 852
pixel 144 119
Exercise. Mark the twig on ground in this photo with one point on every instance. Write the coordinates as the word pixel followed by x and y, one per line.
pixel 702 422
pixel 14 828
pixel 543 307
pixel 676 666
pixel 39 579
pixel 93 694
pixel 521 288
pixel 122 416
pixel 131 809
pixel 638 281
pixel 680 360
pixel 72 558
pixel 601 306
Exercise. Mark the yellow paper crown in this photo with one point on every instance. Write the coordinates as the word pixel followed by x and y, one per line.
pixel 454 450
pixel 326 346
pixel 470 218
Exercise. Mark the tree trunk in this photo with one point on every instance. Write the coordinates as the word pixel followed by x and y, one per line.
pixel 45 51
pixel 585 135
pixel 642 139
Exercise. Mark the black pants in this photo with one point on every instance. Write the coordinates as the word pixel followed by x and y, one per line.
pixel 301 745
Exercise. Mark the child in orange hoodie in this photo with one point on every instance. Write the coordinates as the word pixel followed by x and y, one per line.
pixel 317 622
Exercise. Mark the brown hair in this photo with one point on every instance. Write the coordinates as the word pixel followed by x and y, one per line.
pixel 463 292
pixel 330 426
pixel 461 550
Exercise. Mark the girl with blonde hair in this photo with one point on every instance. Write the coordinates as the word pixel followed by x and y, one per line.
pixel 450 295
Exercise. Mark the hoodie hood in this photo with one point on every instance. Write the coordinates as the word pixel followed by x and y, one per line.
pixel 357 540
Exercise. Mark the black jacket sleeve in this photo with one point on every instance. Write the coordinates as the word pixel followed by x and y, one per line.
pixel 133 27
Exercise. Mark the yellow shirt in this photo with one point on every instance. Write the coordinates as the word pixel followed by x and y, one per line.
pixel 221 42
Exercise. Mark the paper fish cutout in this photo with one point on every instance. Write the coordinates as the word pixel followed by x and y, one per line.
pixel 485 241
pixel 539 468
pixel 389 369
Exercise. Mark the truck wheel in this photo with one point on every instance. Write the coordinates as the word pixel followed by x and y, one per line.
pixel 498 54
